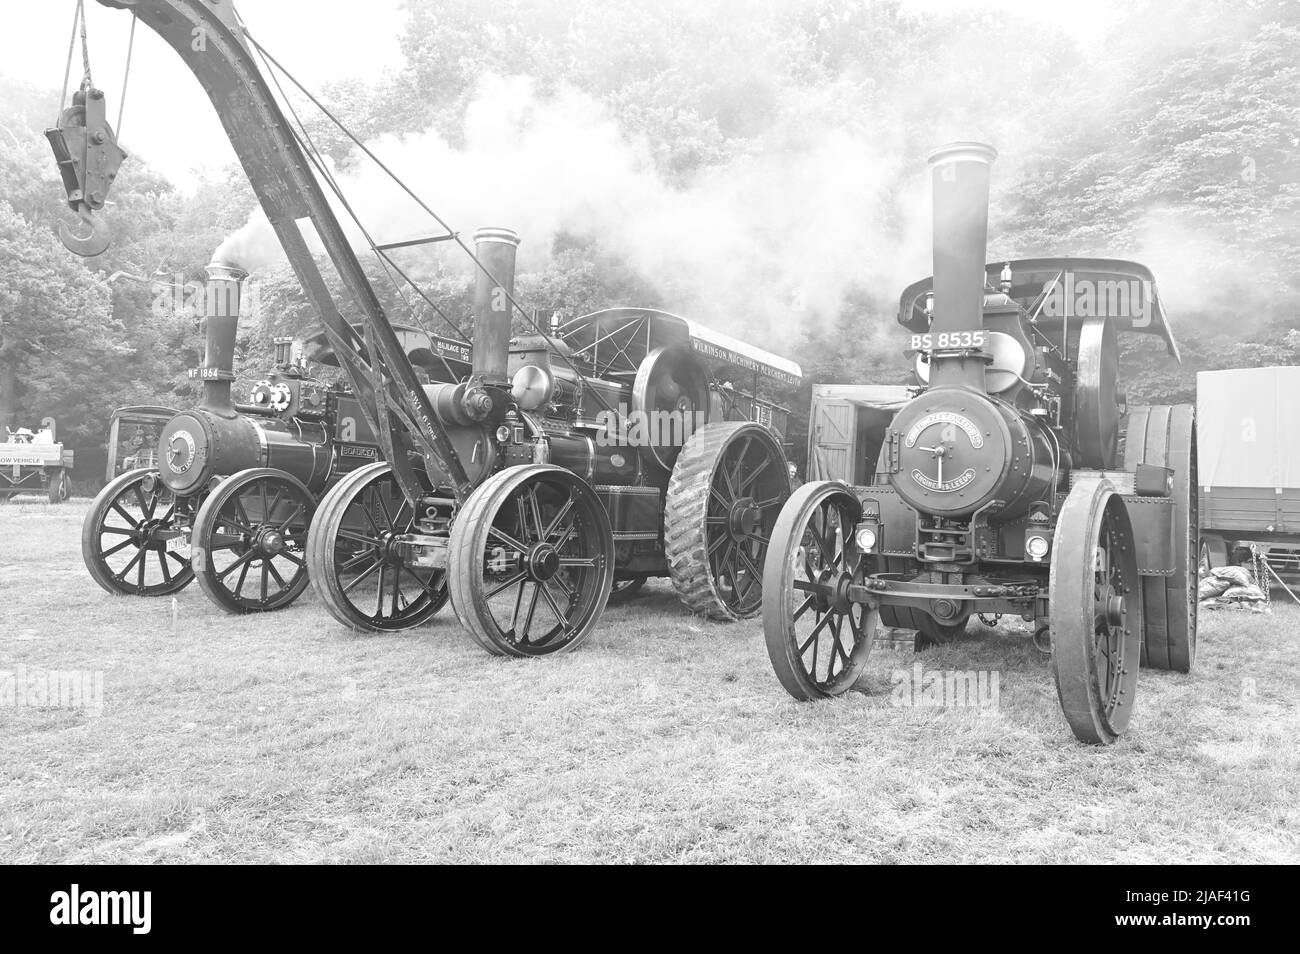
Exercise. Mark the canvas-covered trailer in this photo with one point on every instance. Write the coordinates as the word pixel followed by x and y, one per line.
pixel 747 383
pixel 1248 436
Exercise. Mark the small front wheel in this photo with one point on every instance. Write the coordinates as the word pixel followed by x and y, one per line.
pixel 250 538
pixel 356 558
pixel 134 537
pixel 1096 611
pixel 818 638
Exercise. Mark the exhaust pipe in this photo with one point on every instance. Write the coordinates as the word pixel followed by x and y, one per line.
pixel 222 295
pixel 960 181
pixel 495 249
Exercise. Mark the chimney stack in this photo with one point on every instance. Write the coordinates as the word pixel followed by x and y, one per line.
pixel 495 249
pixel 222 295
pixel 960 177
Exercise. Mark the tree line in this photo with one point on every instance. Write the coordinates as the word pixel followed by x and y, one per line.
pixel 1175 134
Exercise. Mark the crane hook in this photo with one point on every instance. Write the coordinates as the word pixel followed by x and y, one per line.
pixel 93 244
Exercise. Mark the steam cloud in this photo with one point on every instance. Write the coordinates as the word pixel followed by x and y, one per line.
pixel 760 247
pixel 752 247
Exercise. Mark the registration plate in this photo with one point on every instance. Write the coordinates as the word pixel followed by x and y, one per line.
pixel 179 545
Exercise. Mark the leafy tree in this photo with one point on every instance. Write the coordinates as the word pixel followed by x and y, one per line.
pixel 57 333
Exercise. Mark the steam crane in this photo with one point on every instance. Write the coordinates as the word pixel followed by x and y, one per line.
pixel 506 489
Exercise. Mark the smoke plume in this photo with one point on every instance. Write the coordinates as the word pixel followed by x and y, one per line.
pixel 766 241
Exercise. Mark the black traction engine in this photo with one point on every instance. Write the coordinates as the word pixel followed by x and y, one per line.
pixel 1000 485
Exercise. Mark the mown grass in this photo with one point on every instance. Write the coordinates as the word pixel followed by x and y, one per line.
pixel 666 738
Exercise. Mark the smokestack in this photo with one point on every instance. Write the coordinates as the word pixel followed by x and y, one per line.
pixel 960 176
pixel 495 249
pixel 222 296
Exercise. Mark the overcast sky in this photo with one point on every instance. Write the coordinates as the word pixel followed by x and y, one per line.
pixel 318 40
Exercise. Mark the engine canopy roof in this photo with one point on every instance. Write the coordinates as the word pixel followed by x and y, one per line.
pixel 1059 289
pixel 425 350
pixel 618 339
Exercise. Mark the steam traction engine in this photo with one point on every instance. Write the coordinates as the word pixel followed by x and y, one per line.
pixel 999 487
pixel 612 452
pixel 502 488
pixel 228 490
pixel 696 428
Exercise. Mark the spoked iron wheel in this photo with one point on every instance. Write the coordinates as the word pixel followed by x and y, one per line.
pixel 532 561
pixel 1096 612
pixel 356 559
pixel 127 537
pixel 250 541
pixel 817 638
pixel 727 488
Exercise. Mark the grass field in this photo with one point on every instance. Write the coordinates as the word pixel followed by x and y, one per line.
pixel 666 738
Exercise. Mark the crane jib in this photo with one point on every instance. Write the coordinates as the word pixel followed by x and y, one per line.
pixel 209 39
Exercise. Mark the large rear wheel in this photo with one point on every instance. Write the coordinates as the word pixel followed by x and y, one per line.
pixel 531 561
pixel 355 556
pixel 817 638
pixel 134 537
pixel 727 488
pixel 1096 612
pixel 1166 437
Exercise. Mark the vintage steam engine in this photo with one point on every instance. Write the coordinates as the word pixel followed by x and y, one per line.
pixel 999 486
pixel 602 453
pixel 229 489
pixel 555 467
